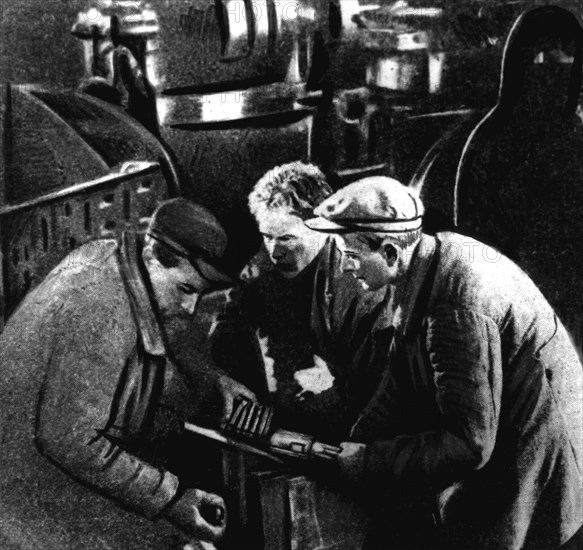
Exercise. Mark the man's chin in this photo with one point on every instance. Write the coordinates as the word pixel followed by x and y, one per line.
pixel 287 273
pixel 364 284
pixel 368 285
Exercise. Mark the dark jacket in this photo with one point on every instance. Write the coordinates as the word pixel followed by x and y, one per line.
pixel 294 342
pixel 481 403
pixel 83 375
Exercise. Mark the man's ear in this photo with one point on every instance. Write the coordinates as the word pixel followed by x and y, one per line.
pixel 147 254
pixel 391 253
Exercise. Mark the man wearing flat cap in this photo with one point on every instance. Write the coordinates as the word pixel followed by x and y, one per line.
pixel 479 418
pixel 84 408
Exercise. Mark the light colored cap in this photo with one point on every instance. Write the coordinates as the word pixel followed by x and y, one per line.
pixel 376 204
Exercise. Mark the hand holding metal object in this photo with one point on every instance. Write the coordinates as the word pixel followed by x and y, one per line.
pixel 301 446
pixel 253 421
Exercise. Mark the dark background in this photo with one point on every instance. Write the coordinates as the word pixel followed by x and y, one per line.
pixel 36 45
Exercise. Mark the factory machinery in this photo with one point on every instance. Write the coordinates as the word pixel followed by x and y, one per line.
pixel 200 98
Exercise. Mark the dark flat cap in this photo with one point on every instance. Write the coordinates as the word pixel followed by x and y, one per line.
pixel 192 232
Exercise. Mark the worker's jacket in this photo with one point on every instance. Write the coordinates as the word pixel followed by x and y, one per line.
pixel 481 403
pixel 83 368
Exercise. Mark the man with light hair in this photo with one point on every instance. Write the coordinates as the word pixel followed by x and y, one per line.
pixel 478 422
pixel 289 332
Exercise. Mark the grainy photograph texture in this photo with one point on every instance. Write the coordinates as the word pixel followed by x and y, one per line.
pixel 291 275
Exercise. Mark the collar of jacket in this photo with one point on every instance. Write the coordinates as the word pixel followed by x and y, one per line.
pixel 129 261
pixel 401 301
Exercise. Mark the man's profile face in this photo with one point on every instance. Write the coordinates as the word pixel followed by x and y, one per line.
pixel 290 244
pixel 368 266
pixel 176 289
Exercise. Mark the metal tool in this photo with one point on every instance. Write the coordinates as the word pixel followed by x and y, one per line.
pixel 253 421
pixel 226 440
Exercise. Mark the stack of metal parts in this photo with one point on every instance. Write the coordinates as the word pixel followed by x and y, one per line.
pixel 250 419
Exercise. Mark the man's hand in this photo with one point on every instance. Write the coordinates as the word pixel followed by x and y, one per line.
pixel 230 389
pixel 351 461
pixel 199 514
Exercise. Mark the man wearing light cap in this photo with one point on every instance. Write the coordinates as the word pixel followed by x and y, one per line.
pixel 84 404
pixel 478 421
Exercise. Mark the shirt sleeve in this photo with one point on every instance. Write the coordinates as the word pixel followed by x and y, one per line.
pixel 464 355
pixel 234 345
pixel 79 397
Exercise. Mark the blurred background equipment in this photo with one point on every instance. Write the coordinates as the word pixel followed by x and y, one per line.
pixel 234 87
pixel 519 182
pixel 74 169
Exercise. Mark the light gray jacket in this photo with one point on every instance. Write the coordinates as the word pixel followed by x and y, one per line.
pixel 82 374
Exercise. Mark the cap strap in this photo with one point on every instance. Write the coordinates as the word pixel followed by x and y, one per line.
pixel 175 247
pixel 194 259
pixel 380 225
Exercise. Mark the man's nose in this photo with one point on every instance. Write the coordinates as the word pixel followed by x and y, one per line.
pixel 277 251
pixel 189 303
